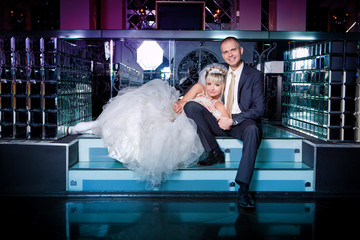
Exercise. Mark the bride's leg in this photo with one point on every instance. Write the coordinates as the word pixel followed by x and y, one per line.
pixel 83 127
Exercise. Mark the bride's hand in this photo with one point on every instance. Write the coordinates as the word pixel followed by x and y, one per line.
pixel 225 123
pixel 178 107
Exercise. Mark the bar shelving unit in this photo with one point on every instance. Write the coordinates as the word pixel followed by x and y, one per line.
pixel 319 89
pixel 45 87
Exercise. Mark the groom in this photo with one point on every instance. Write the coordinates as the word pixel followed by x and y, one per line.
pixel 244 100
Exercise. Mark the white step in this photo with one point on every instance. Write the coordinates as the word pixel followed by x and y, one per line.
pixel 278 167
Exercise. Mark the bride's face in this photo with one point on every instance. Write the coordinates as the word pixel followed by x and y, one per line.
pixel 213 89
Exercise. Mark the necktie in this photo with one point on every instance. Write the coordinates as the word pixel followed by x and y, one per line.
pixel 230 95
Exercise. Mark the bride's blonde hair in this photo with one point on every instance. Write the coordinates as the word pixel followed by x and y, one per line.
pixel 216 75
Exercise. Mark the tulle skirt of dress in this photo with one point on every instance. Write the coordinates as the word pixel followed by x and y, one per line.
pixel 141 130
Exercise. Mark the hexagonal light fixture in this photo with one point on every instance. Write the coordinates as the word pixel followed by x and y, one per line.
pixel 149 55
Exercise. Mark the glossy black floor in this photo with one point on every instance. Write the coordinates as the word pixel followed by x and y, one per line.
pixel 178 218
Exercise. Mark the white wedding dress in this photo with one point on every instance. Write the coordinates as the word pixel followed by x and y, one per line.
pixel 141 130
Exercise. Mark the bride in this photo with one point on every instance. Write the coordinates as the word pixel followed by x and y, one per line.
pixel 145 128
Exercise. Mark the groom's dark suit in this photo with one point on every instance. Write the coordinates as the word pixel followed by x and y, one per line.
pixel 251 103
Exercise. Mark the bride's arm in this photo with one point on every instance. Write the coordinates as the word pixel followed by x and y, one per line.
pixel 191 94
pixel 221 108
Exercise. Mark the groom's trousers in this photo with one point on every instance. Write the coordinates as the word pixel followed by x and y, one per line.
pixel 249 131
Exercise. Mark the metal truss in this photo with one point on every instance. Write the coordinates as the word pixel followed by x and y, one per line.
pixel 219 14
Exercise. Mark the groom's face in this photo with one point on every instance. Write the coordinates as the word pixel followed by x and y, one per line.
pixel 231 53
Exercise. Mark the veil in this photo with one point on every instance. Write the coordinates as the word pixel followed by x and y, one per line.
pixel 202 73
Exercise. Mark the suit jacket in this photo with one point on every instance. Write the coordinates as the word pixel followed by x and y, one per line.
pixel 250 95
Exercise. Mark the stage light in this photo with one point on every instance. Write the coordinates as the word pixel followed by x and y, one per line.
pixel 217 12
pixel 149 55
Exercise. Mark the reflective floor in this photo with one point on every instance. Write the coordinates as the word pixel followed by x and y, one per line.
pixel 178 218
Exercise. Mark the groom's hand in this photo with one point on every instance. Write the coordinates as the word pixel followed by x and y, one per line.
pixel 225 123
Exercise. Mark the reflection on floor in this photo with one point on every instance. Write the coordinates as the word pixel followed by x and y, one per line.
pixel 177 218
pixel 189 220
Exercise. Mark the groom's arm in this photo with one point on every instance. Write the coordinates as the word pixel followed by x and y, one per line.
pixel 256 109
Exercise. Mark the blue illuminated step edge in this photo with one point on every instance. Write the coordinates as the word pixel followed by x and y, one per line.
pixel 229 165
pixel 268 176
pixel 279 150
pixel 298 180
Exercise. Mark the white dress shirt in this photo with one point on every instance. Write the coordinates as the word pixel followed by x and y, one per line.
pixel 237 72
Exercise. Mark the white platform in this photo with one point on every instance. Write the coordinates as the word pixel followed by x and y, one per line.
pixel 278 167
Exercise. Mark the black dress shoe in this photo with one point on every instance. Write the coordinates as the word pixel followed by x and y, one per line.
pixel 214 157
pixel 245 200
